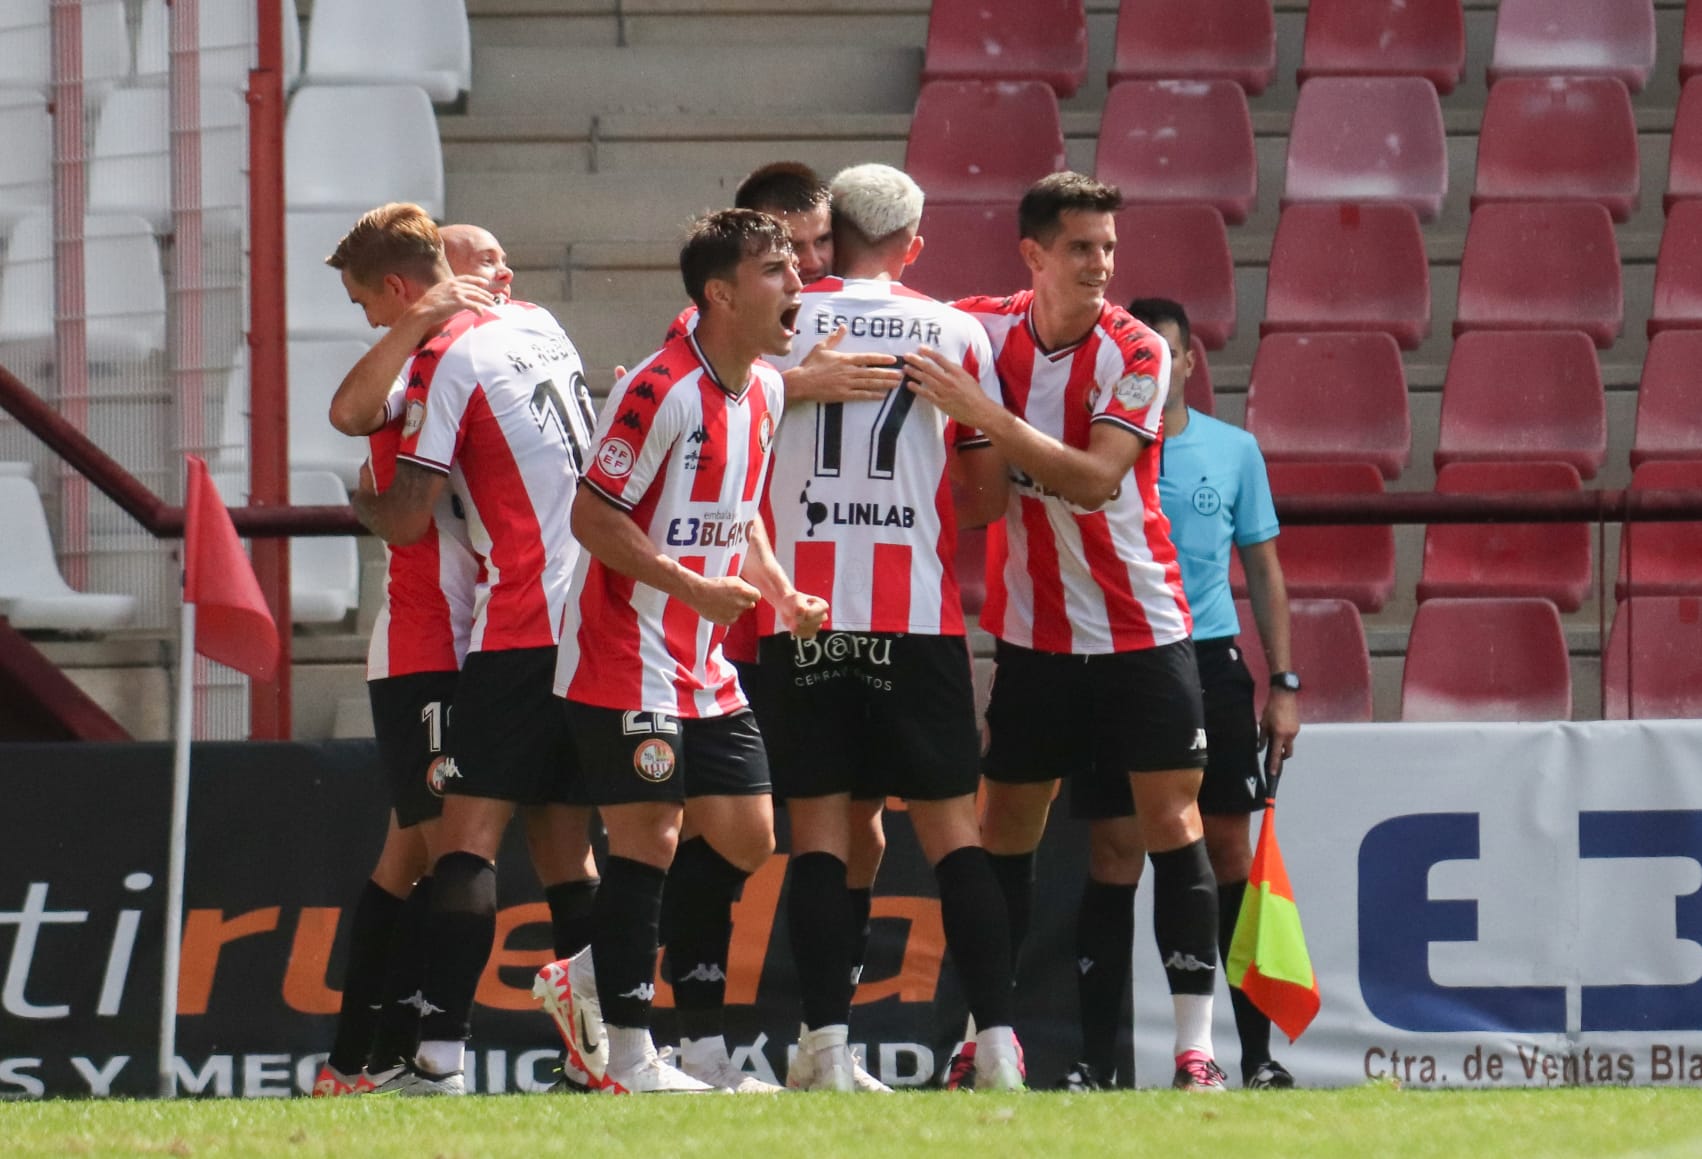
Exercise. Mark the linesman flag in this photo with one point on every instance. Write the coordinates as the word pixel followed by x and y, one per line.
pixel 233 625
pixel 1267 957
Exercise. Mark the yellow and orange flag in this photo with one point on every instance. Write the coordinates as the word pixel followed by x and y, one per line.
pixel 1267 957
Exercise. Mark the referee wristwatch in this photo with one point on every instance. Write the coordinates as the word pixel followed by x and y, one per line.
pixel 1287 681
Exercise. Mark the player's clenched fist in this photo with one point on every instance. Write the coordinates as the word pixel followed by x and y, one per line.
pixel 723 600
pixel 802 615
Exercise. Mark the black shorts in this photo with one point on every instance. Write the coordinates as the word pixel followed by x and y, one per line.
pixel 1095 717
pixel 410 718
pixel 1234 783
pixel 755 683
pixel 633 757
pixel 510 741
pixel 873 714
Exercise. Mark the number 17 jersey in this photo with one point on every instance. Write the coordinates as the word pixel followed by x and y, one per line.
pixel 859 500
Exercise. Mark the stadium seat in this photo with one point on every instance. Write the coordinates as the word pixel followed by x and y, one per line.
pixel 1661 559
pixel 1225 40
pixel 1349 267
pixel 324 569
pixel 972 568
pixel 1516 668
pixel 426 43
pixel 130 170
pixel 351 148
pixel 1653 666
pixel 1008 40
pixel 968 249
pixel 1690 62
pixel 1574 38
pixel 978 141
pixel 1331 398
pixel 1327 648
pixel 124 290
pixel 1179 252
pixel 1355 562
pixel 1199 392
pixel 1425 38
pixel 1549 561
pixel 1684 172
pixel 1524 396
pixel 26 53
pixel 1556 138
pixel 317 305
pixel 227 38
pixel 1368 139
pixel 26 141
pixel 1548 266
pixel 1170 141
pixel 1678 271
pixel 1669 399
pixel 33 594
pixel 315 367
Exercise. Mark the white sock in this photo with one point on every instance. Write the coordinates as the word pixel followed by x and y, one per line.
pixel 822 1037
pixel 628 1046
pixel 1193 1023
pixel 995 1042
pixel 705 1050
pixel 440 1056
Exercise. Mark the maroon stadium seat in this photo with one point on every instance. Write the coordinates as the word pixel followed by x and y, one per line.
pixel 1524 396
pixel 1662 559
pixel 1331 398
pixel 1669 400
pixel 1516 668
pixel 1678 271
pixel 974 141
pixel 1327 648
pixel 1349 562
pixel 972 568
pixel 1178 141
pixel 1684 173
pixel 1179 252
pixel 1690 61
pixel 1546 560
pixel 1005 40
pixel 1575 38
pixel 968 249
pixel 1223 40
pixel 1368 139
pixel 1559 139
pixel 1349 267
pixel 1199 392
pixel 1548 266
pixel 1425 38
pixel 1654 659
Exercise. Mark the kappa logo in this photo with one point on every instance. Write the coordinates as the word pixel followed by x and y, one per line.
pixel 703 972
pixel 644 992
pixel 700 435
pixel 414 419
pixel 654 761
pixel 615 458
pixel 630 419
pixel 439 773
pixel 645 391
pixel 1199 745
pixel 1180 961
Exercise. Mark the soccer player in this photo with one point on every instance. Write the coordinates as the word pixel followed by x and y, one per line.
pixel 1095 675
pixel 1214 491
pixel 496 396
pixel 882 701
pixel 669 750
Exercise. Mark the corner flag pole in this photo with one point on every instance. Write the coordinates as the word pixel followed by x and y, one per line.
pixel 179 841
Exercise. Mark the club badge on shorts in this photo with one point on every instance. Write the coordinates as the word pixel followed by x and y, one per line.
pixel 439 773
pixel 654 760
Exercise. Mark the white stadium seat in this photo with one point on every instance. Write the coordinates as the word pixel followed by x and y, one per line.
pixel 124 292
pixel 130 171
pixel 26 141
pixel 426 43
pixel 316 367
pixel 351 148
pixel 26 54
pixel 318 305
pixel 324 570
pixel 33 594
pixel 227 38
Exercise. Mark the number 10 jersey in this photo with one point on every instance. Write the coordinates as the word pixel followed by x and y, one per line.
pixel 859 499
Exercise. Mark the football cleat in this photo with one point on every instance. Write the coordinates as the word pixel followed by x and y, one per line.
pixel 332 1082
pixel 998 1066
pixel 412 1081
pixel 650 1075
pixel 865 1082
pixel 960 1072
pixel 1269 1076
pixel 568 990
pixel 823 1062
pixel 1195 1071
pixel 1083 1077
pixel 706 1061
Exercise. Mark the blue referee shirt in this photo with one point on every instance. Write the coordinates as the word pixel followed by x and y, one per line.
pixel 1214 491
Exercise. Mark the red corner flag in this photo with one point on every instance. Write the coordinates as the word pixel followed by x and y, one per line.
pixel 1267 957
pixel 232 622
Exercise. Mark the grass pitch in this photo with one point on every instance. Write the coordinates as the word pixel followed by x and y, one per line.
pixel 1381 1121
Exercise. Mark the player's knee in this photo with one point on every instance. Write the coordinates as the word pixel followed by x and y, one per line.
pixel 463 882
pixel 1115 855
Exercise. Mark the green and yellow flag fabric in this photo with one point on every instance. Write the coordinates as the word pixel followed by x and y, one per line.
pixel 1267 958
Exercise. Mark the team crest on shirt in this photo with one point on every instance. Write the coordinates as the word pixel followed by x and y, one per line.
pixel 615 457
pixel 439 773
pixel 414 419
pixel 654 760
pixel 765 432
pixel 1135 391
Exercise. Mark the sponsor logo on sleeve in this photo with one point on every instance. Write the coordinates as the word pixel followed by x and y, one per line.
pixel 1135 391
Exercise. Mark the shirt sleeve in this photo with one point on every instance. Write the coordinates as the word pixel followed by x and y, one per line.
pixel 1134 371
pixel 978 360
pixel 684 323
pixel 638 428
pixel 1255 512
pixel 440 386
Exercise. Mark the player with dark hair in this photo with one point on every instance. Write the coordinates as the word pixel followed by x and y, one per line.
pixel 670 752
pixel 1214 491
pixel 497 397
pixel 1095 677
pixel 882 701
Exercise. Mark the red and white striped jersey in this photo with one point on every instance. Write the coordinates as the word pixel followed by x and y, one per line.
pixel 1061 578
pixel 497 400
pixel 685 457
pixel 859 502
pixel 429 586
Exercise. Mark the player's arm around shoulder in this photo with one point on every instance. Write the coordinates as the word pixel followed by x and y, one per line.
pixel 401 514
pixel 828 374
